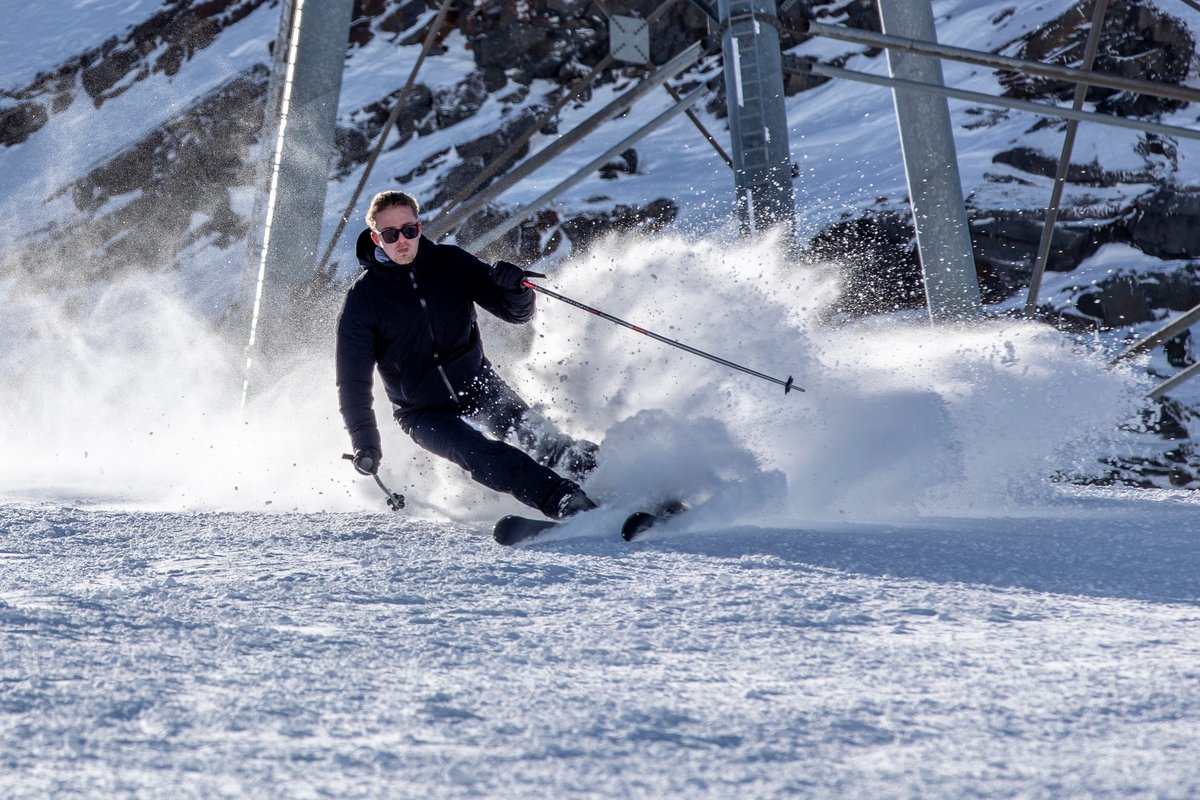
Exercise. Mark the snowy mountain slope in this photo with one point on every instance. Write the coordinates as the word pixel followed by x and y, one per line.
pixel 844 135
pixel 360 655
pixel 880 592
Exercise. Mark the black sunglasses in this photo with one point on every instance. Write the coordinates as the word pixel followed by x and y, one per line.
pixel 410 231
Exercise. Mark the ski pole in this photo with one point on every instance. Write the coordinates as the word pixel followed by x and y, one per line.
pixel 787 385
pixel 395 500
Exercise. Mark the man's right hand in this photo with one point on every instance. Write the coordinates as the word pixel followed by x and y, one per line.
pixel 366 460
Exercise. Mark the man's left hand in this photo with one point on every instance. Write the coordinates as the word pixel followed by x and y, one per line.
pixel 508 276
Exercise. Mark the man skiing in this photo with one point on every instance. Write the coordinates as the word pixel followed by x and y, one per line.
pixel 411 314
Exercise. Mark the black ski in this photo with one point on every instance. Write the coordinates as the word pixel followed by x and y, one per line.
pixel 639 522
pixel 513 529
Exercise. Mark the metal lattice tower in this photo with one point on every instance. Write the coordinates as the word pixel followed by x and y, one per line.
pixel 757 117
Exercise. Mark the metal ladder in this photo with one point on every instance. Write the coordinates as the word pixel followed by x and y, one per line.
pixel 757 116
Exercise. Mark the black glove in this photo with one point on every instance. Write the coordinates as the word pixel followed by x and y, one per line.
pixel 366 460
pixel 507 276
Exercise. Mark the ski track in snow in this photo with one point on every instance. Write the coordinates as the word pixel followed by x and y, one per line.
pixel 158 654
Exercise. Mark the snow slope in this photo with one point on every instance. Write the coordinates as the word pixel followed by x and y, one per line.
pixel 880 592
pixel 362 655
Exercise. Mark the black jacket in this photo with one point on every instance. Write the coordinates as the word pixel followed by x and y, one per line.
pixel 417 324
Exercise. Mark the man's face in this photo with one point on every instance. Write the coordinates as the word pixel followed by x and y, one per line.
pixel 402 251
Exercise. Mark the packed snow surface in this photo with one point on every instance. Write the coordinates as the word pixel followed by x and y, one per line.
pixel 163 654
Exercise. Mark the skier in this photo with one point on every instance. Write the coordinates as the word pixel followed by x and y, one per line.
pixel 411 313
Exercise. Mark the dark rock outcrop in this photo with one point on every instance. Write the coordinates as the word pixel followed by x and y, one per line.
pixel 1139 41
pixel 1166 223
pixel 878 254
pixel 626 162
pixel 1035 162
pixel 1007 241
pixel 584 229
pixel 543 233
pixel 19 122
pixel 527 243
pixel 160 44
pixel 478 154
pixel 141 206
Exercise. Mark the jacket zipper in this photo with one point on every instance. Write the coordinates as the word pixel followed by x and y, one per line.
pixel 437 359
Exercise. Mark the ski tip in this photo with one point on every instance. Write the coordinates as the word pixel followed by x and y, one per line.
pixel 503 530
pixel 642 521
pixel 512 529
pixel 636 523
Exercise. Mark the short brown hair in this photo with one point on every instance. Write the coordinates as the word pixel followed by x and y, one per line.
pixel 389 199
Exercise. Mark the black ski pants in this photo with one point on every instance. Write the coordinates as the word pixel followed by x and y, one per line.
pixel 493 406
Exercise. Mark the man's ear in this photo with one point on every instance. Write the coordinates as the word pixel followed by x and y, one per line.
pixel 375 239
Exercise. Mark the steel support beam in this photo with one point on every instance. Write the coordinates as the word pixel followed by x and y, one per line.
pixel 758 125
pixel 1064 163
pixel 905 44
pixel 804 66
pixel 931 165
pixel 443 225
pixel 1162 335
pixel 515 217
pixel 303 143
pixel 1177 379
